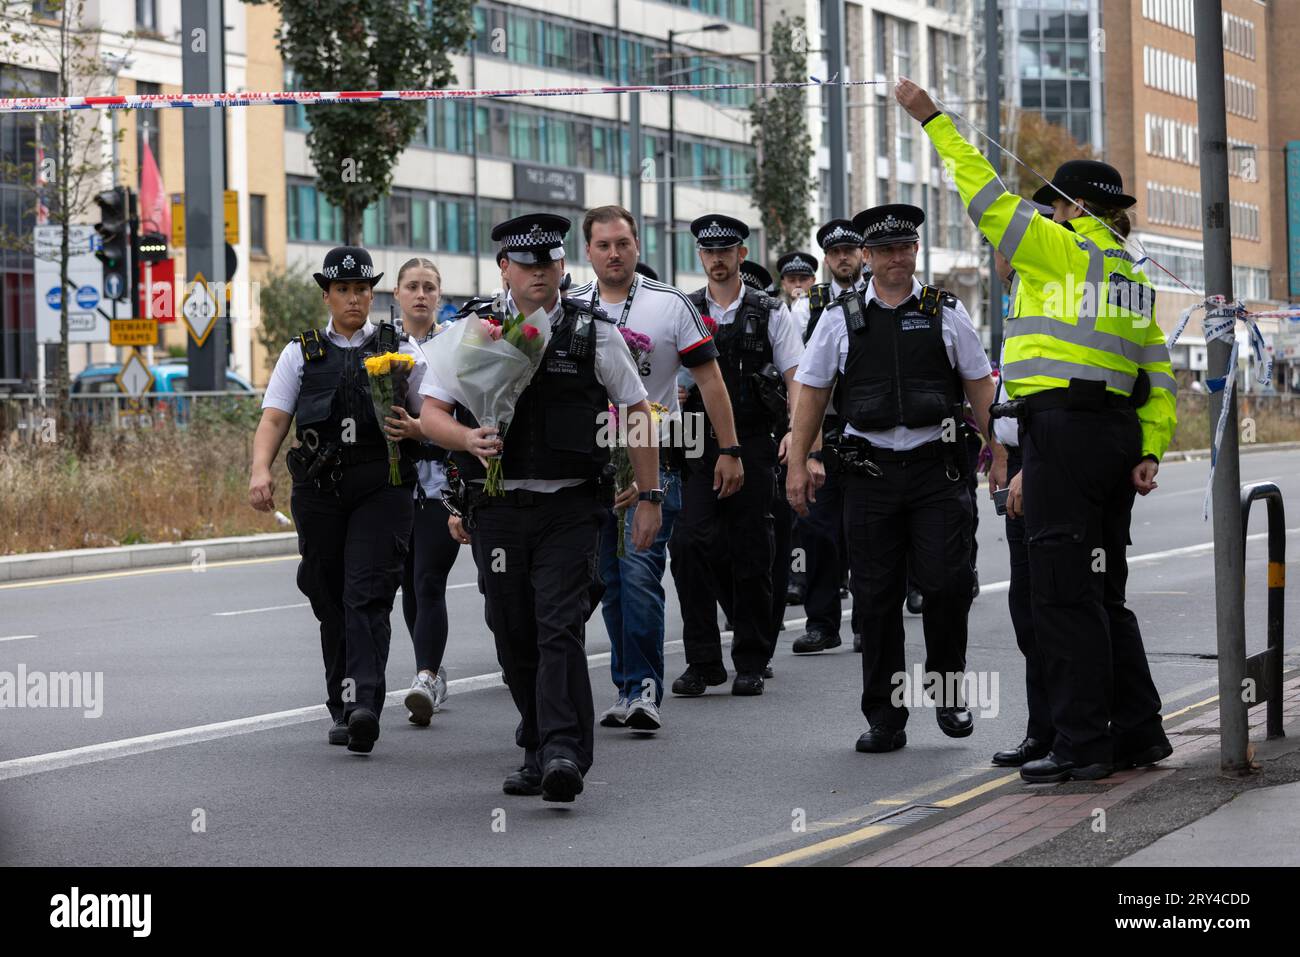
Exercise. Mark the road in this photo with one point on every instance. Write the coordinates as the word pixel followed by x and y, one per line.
pixel 728 780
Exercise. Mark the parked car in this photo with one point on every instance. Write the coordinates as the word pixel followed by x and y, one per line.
pixel 169 375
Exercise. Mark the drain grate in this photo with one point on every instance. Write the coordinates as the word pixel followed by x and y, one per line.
pixel 904 816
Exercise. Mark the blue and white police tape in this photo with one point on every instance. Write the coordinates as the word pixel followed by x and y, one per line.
pixel 1220 325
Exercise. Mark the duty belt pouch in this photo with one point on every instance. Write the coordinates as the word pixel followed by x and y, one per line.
pixel 297 461
pixel 1086 394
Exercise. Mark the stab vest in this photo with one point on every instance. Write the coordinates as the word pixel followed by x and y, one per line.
pixel 557 419
pixel 819 297
pixel 897 371
pixel 336 388
pixel 743 349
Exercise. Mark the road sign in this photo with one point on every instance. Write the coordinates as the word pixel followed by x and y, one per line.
pixel 135 379
pixel 85 273
pixel 133 332
pixel 112 286
pixel 231 204
pixel 200 310
pixel 158 291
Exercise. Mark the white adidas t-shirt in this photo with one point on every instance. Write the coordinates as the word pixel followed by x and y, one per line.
pixel 673 325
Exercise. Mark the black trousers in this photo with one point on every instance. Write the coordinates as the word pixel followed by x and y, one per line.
pixel 536 567
pixel 916 517
pixel 731 544
pixel 1078 493
pixel 822 535
pixel 783 519
pixel 1020 604
pixel 353 548
pixel 424 584
pixel 698 608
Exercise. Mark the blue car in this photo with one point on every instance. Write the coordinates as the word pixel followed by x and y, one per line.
pixel 170 375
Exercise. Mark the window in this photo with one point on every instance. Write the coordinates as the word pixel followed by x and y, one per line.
pixel 1165 71
pixel 257 223
pixel 1240 96
pixel 1239 36
pixel 146 15
pixel 1244 219
pixel 1173 206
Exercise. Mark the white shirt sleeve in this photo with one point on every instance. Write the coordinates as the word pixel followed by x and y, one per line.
pixel 286 380
pixel 821 361
pixel 615 369
pixel 964 346
pixel 787 347
pixel 419 373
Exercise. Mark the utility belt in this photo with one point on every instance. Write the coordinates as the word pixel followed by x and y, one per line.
pixel 854 455
pixel 464 499
pixel 1085 394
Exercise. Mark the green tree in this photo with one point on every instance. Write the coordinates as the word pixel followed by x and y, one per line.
pixel 367 45
pixel 782 186
pixel 290 303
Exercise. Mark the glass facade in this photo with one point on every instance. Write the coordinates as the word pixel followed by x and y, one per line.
pixel 1054 64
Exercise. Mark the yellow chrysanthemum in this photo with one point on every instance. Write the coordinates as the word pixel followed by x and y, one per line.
pixel 377 365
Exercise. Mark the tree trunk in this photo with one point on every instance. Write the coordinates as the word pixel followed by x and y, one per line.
pixel 353 219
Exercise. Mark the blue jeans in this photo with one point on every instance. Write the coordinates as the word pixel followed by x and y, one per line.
pixel 633 603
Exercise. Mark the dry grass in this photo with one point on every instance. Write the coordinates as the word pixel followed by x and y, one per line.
pixel 163 484
pixel 1274 418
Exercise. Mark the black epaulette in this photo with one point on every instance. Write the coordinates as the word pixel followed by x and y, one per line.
pixel 819 296
pixel 479 306
pixel 768 302
pixel 933 299
pixel 313 346
pixel 585 306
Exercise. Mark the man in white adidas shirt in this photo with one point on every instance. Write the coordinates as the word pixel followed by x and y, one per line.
pixel 633 603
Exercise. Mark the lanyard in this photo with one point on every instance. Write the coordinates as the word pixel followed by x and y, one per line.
pixel 627 303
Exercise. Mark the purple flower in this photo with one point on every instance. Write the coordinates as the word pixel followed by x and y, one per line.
pixel 638 342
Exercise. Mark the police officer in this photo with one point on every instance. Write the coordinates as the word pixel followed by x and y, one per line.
pixel 906 353
pixel 353 526
pixel 1088 363
pixel 822 531
pixel 536 544
pixel 756 277
pixel 731 539
pixel 798 273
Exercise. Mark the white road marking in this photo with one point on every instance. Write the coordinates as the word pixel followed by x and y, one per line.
pixel 56 760
pixel 17 637
pixel 254 611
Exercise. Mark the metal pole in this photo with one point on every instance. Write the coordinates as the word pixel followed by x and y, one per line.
pixel 205 155
pixel 634 170
pixel 670 171
pixel 925 228
pixel 1229 570
pixel 666 247
pixel 992 83
pixel 833 14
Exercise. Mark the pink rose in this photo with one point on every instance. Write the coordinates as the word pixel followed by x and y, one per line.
pixel 530 332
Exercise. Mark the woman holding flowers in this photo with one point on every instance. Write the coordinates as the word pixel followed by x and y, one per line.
pixel 433 550
pixel 351 497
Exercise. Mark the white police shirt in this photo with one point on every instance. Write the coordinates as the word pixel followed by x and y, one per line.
pixel 828 348
pixel 782 331
pixel 286 379
pixel 615 370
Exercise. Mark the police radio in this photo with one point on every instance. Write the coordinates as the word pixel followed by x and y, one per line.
pixel 854 318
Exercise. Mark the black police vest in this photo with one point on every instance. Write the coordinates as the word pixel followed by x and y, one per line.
pixel 897 371
pixel 743 349
pixel 335 389
pixel 557 419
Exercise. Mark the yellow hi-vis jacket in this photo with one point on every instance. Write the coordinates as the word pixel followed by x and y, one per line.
pixel 1082 310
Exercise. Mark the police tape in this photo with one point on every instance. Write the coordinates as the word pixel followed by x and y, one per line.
pixel 162 101
pixel 1220 325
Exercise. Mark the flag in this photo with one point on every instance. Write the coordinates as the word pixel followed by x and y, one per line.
pixel 155 214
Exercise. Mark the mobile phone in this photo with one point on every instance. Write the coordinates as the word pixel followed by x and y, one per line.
pixel 1000 500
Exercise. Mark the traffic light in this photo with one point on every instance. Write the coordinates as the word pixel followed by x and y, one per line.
pixel 114 229
pixel 153 247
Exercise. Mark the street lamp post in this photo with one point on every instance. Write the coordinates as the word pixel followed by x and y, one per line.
pixel 669 235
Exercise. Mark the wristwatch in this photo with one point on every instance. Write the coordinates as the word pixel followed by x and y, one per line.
pixel 655 495
pixel 733 450
pixel 816 454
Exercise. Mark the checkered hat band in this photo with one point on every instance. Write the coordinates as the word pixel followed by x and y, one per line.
pixel 332 272
pixel 890 224
pixel 536 237
pixel 841 235
pixel 715 231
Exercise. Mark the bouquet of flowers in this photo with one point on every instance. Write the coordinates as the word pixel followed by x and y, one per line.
pixel 389 375
pixel 622 461
pixel 487 365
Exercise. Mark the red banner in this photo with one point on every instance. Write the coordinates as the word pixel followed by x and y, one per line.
pixel 158 291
